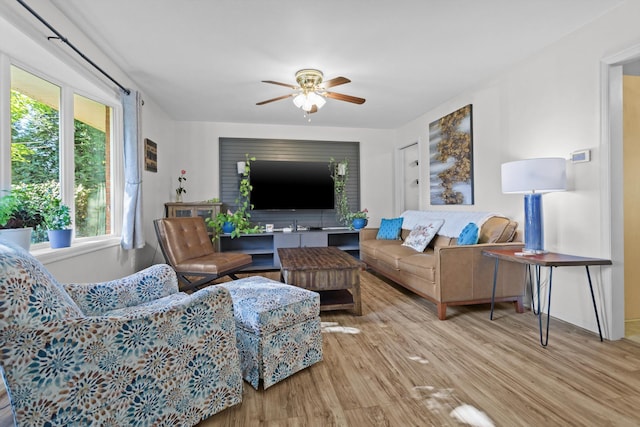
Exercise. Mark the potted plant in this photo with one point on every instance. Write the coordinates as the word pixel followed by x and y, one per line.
pixel 57 219
pixel 234 223
pixel 18 218
pixel 358 219
pixel 237 223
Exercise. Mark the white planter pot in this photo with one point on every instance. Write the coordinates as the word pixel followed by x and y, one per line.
pixel 19 236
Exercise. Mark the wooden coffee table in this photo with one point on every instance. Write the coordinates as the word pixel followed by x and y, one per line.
pixel 333 273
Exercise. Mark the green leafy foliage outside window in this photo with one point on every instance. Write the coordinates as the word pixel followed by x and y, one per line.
pixel 35 165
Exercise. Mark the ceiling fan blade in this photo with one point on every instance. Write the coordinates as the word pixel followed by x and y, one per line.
pixel 342 97
pixel 281 84
pixel 314 109
pixel 275 99
pixel 335 82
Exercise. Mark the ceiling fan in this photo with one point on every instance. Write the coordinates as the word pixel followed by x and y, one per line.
pixel 311 91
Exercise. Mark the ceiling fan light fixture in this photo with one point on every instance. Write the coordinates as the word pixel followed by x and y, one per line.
pixel 308 105
pixel 312 91
pixel 299 100
pixel 306 101
pixel 309 78
pixel 316 99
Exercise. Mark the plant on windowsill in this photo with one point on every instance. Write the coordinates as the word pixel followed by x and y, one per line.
pixel 339 172
pixel 239 219
pixel 19 216
pixel 57 219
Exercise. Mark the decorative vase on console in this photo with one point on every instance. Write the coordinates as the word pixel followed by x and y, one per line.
pixel 358 223
pixel 228 227
pixel 181 190
pixel 358 219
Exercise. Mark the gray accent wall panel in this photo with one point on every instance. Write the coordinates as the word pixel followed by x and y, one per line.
pixel 233 150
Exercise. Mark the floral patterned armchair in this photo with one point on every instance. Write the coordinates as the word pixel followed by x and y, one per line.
pixel 133 351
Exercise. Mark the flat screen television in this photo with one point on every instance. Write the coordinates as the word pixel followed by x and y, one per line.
pixel 291 185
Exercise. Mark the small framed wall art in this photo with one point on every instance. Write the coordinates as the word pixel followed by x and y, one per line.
pixel 451 159
pixel 150 155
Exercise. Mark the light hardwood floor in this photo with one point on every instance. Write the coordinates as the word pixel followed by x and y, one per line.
pixel 632 330
pixel 398 365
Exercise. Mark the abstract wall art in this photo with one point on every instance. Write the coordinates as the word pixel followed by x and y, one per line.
pixel 451 159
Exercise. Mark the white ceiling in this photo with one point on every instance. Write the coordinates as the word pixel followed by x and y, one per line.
pixel 203 60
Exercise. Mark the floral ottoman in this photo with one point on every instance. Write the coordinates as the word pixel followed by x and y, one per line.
pixel 277 328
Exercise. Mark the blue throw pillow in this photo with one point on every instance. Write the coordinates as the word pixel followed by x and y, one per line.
pixel 468 235
pixel 390 229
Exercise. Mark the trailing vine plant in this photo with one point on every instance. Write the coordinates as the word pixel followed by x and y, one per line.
pixel 340 175
pixel 239 218
pixel 244 201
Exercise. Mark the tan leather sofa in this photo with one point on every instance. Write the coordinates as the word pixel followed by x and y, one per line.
pixel 446 273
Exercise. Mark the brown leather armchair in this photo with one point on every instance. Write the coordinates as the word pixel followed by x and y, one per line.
pixel 187 247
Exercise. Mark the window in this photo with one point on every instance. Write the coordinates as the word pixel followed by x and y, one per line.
pixel 45 163
pixel 92 125
pixel 35 138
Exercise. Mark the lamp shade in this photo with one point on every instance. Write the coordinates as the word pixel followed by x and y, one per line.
pixel 317 100
pixel 299 100
pixel 541 175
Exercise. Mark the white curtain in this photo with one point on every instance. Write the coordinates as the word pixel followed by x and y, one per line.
pixel 132 235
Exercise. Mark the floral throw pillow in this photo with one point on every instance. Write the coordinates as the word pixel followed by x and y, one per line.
pixel 390 229
pixel 421 235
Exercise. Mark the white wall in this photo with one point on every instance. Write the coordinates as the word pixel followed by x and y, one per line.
pixel 198 153
pixel 549 106
pixel 192 146
pixel 159 128
pixel 487 155
pixel 23 39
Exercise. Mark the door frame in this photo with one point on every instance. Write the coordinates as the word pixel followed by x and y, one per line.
pixel 611 181
pixel 399 194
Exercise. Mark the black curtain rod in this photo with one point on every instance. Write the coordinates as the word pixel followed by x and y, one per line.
pixel 64 39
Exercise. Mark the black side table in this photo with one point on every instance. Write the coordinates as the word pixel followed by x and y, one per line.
pixel 551 260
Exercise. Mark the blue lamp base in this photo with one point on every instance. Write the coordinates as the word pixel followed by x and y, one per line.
pixel 533 230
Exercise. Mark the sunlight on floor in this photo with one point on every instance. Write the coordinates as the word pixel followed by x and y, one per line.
pixel 467 414
pixel 332 327
pixel 632 330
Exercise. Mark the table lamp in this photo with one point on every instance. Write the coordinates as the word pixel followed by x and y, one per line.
pixel 532 177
